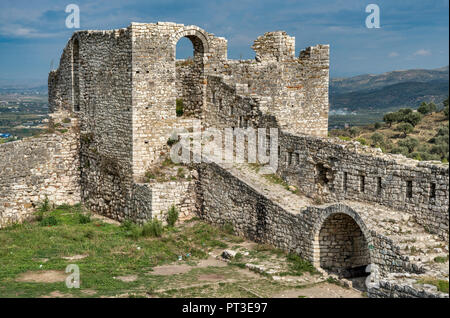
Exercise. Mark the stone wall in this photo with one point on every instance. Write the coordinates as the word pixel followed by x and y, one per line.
pixel 38 167
pixel 392 289
pixel 332 170
pixel 223 197
pixel 150 200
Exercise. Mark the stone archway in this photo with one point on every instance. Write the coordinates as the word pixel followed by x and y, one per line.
pixel 190 75
pixel 341 243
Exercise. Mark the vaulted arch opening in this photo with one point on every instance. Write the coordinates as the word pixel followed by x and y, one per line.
pixel 343 246
pixel 190 77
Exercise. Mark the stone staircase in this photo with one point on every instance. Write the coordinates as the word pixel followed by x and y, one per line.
pixel 420 246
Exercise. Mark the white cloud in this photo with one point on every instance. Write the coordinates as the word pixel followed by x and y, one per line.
pixel 422 52
pixel 393 54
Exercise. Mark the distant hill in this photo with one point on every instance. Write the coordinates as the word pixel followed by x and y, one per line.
pixel 405 94
pixel 371 81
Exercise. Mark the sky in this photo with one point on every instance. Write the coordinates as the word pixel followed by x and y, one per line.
pixel 412 34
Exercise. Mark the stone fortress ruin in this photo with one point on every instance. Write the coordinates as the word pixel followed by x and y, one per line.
pixel 113 109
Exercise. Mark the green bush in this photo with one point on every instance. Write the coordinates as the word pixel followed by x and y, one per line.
pixel 298 266
pixel 409 142
pixel 362 141
pixel 172 141
pixel 45 206
pixel 391 118
pixel 127 225
pixel 406 128
pixel 378 125
pixel 413 118
pixel 179 107
pixel 84 218
pixel 172 216
pixel 425 108
pixel 49 220
pixel 400 150
pixel 377 139
pixel 153 228
pixel 354 131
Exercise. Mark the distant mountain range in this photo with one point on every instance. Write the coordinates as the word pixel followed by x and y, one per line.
pixel 390 90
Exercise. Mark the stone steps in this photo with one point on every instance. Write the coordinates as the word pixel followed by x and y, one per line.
pixel 398 226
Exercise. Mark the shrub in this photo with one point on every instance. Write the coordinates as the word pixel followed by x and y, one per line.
pixel 400 150
pixel 378 125
pixel 298 265
pixel 172 216
pixel 425 108
pixel 413 118
pixel 228 228
pixel 377 139
pixel 406 128
pixel 49 220
pixel 84 218
pixel 354 131
pixel 391 118
pixel 172 141
pixel 345 138
pixel 179 107
pixel 362 141
pixel 153 228
pixel 45 206
pixel 410 143
pixel 127 225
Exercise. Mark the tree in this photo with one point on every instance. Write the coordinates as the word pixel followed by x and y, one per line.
pixel 445 110
pixel 390 118
pixel 432 107
pixel 406 128
pixel 354 131
pixel 412 118
pixel 410 143
pixel 377 139
pixel 423 108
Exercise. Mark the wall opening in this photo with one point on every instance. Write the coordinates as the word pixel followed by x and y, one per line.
pixel 190 81
pixel 378 185
pixel 343 247
pixel 322 174
pixel 345 181
pixel 409 190
pixel 362 184
pixel 76 74
pixel 432 190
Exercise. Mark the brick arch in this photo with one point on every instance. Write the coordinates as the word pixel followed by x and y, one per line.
pixel 341 220
pixel 197 36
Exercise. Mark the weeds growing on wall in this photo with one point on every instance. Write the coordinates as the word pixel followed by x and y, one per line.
pixel 172 216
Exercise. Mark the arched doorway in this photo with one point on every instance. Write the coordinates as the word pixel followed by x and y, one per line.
pixel 190 75
pixel 343 247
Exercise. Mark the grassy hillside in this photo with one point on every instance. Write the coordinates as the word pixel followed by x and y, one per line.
pixel 426 140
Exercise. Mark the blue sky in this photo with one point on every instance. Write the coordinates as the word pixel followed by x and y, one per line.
pixel 413 33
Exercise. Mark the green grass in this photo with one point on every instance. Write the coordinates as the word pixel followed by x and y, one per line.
pixel 112 251
pixel 442 285
pixel 441 259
